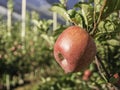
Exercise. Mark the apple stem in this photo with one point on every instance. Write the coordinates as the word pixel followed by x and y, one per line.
pixel 101 67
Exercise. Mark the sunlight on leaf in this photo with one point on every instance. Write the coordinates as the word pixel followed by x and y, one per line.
pixel 61 11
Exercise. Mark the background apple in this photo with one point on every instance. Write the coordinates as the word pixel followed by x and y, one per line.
pixel 74 49
pixel 116 76
pixel 86 75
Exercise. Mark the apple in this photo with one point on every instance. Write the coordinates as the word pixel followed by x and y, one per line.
pixel 74 49
pixel 86 75
pixel 116 76
pixel 85 78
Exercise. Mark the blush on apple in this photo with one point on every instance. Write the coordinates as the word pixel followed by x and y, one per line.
pixel 74 49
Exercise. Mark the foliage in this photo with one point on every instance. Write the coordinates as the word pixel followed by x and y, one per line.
pixel 18 58
pixel 101 19
pixel 32 60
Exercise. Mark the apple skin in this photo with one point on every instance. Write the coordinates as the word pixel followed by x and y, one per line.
pixel 74 49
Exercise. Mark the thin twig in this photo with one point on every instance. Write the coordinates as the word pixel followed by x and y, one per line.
pixel 97 59
pixel 99 69
pixel 94 14
pixel 99 17
pixel 101 11
pixel 100 64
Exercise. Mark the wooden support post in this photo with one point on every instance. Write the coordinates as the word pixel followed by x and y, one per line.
pixel 9 16
pixel 23 19
pixel 54 21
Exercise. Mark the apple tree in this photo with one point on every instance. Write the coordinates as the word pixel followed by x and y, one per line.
pixel 101 19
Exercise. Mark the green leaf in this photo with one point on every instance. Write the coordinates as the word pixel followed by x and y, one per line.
pixel 63 1
pixel 61 11
pixel 59 31
pixel 113 80
pixel 86 11
pixel 71 13
pixel 49 39
pixel 76 17
pixel 79 19
pixel 111 6
pixel 113 42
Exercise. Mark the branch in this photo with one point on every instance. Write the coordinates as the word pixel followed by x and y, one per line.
pixel 101 66
pixel 99 17
pixel 101 11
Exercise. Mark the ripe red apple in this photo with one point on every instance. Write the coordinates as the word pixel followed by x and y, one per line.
pixel 74 49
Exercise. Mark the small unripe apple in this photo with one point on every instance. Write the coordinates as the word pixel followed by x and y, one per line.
pixel 74 49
